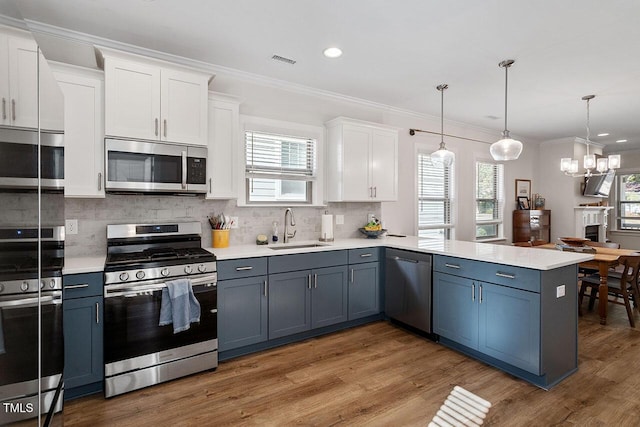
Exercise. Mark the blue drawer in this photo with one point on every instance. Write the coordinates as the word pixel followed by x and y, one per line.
pixel 358 256
pixel 243 267
pixel 507 275
pixel 82 285
pixel 308 261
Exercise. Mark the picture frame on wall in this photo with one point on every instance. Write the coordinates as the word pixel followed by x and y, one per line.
pixel 523 203
pixel 523 189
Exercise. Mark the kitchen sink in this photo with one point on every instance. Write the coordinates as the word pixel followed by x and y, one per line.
pixel 287 246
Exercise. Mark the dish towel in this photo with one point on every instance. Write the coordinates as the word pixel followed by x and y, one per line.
pixel 179 305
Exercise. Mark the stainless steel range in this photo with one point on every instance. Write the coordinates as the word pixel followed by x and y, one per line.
pixel 30 307
pixel 141 259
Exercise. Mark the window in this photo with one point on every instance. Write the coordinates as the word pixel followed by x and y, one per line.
pixel 489 200
pixel 628 201
pixel 434 198
pixel 279 168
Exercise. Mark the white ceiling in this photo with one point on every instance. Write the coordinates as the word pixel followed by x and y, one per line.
pixel 397 52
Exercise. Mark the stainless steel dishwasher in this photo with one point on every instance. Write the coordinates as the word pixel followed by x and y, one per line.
pixel 408 288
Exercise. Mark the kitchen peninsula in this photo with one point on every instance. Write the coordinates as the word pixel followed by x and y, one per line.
pixel 511 307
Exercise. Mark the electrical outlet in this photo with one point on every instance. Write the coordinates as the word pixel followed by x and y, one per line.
pixel 234 221
pixel 71 226
pixel 560 291
pixel 339 219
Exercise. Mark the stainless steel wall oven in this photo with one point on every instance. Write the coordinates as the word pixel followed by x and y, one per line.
pixel 141 259
pixel 19 288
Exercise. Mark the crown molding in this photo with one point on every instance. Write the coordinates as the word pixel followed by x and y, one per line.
pixel 13 22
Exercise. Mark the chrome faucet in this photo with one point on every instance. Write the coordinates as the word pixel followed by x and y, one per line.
pixel 288 236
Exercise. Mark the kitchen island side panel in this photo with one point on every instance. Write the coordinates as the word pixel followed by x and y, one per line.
pixel 559 322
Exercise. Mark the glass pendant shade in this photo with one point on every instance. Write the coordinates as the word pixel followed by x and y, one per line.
pixel 442 156
pixel 589 161
pixel 506 149
pixel 602 165
pixel 614 161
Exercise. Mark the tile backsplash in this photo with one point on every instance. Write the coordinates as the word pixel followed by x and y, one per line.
pixel 93 215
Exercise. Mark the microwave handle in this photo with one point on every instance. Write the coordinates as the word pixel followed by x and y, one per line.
pixel 184 170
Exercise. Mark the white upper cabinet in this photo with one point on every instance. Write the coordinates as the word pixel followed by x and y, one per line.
pixel 223 139
pixel 362 161
pixel 154 100
pixel 83 131
pixel 18 92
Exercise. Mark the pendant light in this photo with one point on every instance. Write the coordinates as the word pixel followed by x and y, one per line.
pixel 442 156
pixel 602 165
pixel 507 148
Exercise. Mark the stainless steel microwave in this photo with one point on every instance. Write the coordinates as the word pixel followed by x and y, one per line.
pixel 19 159
pixel 154 167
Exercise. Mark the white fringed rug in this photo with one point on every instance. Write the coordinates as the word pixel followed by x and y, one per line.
pixel 461 408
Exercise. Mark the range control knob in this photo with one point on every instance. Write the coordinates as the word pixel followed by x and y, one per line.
pixel 124 277
pixel 52 283
pixel 1 287
pixel 24 286
pixel 202 268
pixel 164 272
pixel 42 284
pixel 140 275
pixel 188 269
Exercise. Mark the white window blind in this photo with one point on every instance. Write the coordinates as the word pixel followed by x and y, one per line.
pixel 279 167
pixel 489 200
pixel 628 202
pixel 434 198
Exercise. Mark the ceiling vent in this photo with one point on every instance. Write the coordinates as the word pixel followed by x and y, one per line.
pixel 283 59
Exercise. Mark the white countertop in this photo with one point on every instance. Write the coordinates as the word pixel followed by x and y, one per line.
pixel 77 265
pixel 534 258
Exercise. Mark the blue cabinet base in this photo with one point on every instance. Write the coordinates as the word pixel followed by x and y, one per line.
pixel 265 345
pixel 83 390
pixel 545 382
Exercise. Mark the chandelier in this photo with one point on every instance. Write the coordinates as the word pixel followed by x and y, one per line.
pixel 602 165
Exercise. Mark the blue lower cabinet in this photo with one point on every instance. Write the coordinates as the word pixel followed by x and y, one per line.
pixel 455 309
pixel 329 296
pixel 364 290
pixel 289 303
pixel 83 351
pixel 242 312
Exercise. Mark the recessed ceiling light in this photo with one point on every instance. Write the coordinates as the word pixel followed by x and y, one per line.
pixel 603 134
pixel 621 140
pixel 332 52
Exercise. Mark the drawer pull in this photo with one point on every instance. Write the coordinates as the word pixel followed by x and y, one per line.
pixel 456 266
pixel 84 285
pixel 365 255
pixel 244 268
pixel 505 275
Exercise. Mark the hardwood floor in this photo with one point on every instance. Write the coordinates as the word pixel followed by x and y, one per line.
pixel 379 374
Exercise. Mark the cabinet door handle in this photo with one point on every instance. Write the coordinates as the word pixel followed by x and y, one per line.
pixel 480 294
pixel 4 109
pixel 165 128
pixel 309 281
pixel 210 187
pixel 97 313
pixel 352 275
pixel 265 288
pixel 83 285
pixel 505 275
pixel 99 181
pixel 13 109
pixel 156 127
pixel 456 266
pixel 473 292
pixel 244 268
pixel 375 191
pixel 184 170
pixel 365 255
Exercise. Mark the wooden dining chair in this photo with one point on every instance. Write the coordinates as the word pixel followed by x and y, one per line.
pixel 587 271
pixel 625 286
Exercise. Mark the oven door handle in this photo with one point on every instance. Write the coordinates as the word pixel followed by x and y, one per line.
pixel 128 290
pixel 31 302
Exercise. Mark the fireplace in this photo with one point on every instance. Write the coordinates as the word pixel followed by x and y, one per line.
pixel 591 222
pixel 591 232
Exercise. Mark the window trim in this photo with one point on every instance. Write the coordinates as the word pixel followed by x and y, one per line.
pixel 618 203
pixel 499 201
pixel 280 127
